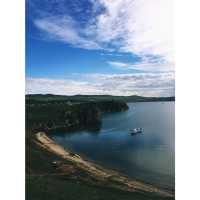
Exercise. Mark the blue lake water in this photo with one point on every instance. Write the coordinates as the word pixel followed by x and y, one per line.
pixel 149 156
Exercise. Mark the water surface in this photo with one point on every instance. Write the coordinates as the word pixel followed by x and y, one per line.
pixel 148 156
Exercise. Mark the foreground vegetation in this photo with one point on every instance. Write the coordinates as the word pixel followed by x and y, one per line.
pixel 52 188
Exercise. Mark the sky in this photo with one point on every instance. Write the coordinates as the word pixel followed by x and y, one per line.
pixel 115 47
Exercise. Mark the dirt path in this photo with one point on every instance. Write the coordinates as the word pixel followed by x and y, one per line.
pixel 97 171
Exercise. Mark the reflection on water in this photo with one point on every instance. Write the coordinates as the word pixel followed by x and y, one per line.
pixel 148 156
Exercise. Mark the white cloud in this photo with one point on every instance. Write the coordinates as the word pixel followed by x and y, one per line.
pixel 140 27
pixel 144 66
pixel 144 84
pixel 65 29
pixel 65 87
pixel 119 64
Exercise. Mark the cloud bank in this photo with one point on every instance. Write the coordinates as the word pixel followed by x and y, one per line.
pixel 145 84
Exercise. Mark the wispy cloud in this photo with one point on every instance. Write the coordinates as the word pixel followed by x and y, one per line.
pixel 143 66
pixel 65 29
pixel 145 84
pixel 140 27
pixel 53 86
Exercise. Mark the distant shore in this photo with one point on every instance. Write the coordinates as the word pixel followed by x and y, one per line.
pixel 41 98
pixel 102 175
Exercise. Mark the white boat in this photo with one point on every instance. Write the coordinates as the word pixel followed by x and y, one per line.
pixel 136 130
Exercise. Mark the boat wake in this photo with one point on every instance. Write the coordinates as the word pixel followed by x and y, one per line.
pixel 109 130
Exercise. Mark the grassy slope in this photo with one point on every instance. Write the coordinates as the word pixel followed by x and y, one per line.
pixel 48 188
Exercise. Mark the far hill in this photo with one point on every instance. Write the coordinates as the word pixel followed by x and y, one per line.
pixel 87 98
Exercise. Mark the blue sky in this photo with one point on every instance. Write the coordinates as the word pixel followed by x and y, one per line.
pixel 120 47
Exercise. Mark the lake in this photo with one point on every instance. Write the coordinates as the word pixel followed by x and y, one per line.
pixel 149 157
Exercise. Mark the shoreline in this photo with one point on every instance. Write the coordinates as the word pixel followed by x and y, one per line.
pixel 109 168
pixel 99 173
